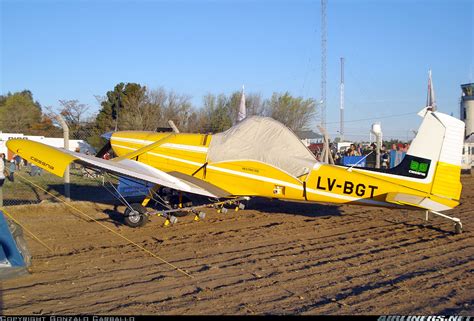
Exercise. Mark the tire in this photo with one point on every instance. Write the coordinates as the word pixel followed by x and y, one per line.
pixel 458 228
pixel 137 219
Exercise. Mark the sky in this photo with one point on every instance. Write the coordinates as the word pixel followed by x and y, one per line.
pixel 79 49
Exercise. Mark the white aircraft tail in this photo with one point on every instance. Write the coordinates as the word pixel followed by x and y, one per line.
pixel 435 154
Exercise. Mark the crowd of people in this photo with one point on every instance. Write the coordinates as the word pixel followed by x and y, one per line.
pixel 370 153
pixel 16 163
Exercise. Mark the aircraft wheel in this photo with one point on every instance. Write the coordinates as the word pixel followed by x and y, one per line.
pixel 137 217
pixel 458 228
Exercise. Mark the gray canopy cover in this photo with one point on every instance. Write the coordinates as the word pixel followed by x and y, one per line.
pixel 262 139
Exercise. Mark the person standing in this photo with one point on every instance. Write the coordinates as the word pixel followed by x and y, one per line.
pixel 4 159
pixel 372 155
pixel 2 170
pixel 351 151
pixel 2 177
pixel 12 169
pixel 17 159
pixel 385 159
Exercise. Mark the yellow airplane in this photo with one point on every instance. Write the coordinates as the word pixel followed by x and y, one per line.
pixel 261 157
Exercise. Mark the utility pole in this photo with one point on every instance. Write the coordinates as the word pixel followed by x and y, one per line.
pixel 323 63
pixel 341 125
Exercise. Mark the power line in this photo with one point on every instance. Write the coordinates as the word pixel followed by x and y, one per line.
pixel 372 118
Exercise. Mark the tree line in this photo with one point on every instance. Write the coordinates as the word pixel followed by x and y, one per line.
pixel 131 106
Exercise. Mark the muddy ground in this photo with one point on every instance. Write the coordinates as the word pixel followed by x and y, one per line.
pixel 274 258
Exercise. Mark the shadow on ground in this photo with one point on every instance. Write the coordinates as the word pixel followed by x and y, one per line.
pixel 266 205
pixel 99 194
pixel 96 194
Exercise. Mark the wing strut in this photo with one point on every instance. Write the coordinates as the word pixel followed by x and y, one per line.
pixel 204 166
pixel 144 149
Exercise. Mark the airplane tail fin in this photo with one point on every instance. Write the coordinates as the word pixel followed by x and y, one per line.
pixel 435 155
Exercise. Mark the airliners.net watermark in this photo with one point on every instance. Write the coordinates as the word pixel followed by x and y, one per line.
pixel 66 318
pixel 424 318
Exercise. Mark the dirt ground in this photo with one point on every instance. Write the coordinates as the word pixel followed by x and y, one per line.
pixel 274 258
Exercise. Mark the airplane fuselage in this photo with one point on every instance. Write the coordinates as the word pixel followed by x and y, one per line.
pixel 187 154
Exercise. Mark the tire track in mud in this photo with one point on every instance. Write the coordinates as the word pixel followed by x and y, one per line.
pixel 292 280
pixel 122 246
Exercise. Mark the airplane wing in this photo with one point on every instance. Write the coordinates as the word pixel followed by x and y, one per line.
pixel 56 160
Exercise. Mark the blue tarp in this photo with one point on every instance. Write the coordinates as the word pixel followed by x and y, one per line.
pixel 14 257
pixel 132 187
pixel 352 160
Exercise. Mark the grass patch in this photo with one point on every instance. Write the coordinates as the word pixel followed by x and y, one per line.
pixel 24 191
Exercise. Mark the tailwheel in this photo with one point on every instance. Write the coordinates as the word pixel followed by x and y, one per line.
pixel 458 228
pixel 135 216
pixel 457 221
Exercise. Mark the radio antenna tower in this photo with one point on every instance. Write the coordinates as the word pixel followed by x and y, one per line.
pixel 341 125
pixel 323 63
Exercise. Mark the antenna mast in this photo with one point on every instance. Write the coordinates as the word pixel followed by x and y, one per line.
pixel 341 125
pixel 323 63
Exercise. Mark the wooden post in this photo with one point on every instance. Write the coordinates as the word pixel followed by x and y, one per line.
pixel 67 185
pixel 326 155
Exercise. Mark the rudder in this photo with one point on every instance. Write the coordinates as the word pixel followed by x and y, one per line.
pixel 439 141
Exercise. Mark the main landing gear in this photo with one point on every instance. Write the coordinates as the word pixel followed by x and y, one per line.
pixel 136 215
pixel 174 204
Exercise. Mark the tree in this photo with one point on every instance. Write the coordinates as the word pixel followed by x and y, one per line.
pixel 294 112
pixel 74 114
pixel 123 108
pixel 253 103
pixel 177 108
pixel 132 114
pixel 107 117
pixel 18 112
pixel 215 114
pixel 46 127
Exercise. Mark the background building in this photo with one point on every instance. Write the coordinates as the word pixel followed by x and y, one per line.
pixel 467 109
pixel 74 144
pixel 467 115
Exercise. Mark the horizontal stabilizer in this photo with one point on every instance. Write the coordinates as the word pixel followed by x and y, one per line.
pixel 415 201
